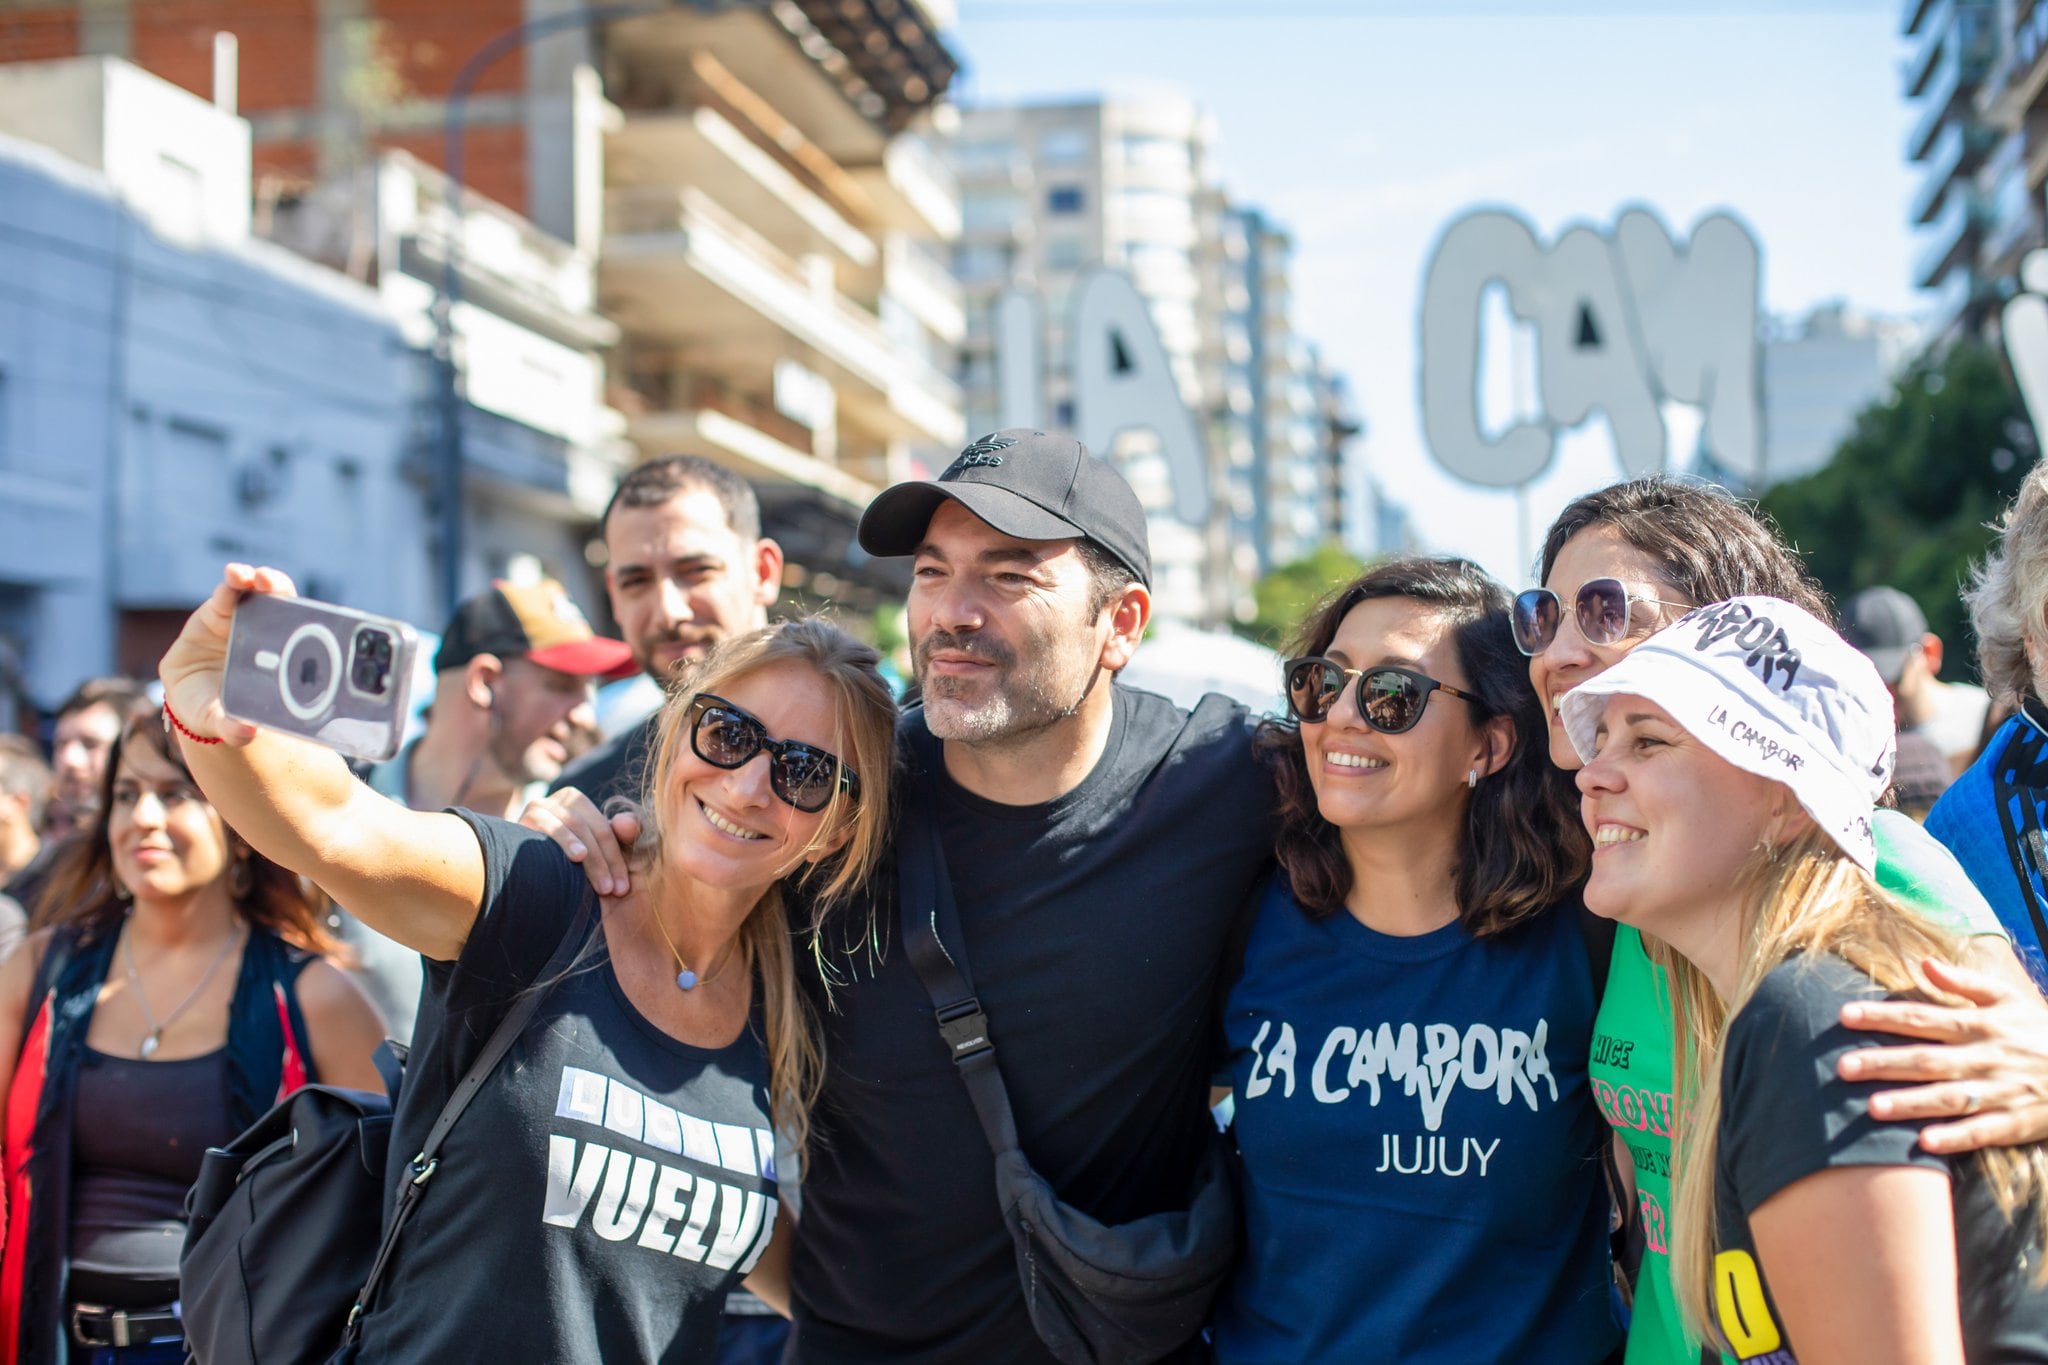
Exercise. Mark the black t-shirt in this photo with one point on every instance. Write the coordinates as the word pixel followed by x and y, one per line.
pixel 606 1187
pixel 616 767
pixel 1094 928
pixel 1786 1115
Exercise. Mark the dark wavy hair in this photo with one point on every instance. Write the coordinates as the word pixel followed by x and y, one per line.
pixel 81 886
pixel 1524 849
pixel 1707 544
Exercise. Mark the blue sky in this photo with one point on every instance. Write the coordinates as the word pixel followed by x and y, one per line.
pixel 1367 126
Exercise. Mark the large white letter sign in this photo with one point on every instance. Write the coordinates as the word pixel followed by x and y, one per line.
pixel 1698 313
pixel 1622 325
pixel 1475 251
pixel 2024 325
pixel 1123 380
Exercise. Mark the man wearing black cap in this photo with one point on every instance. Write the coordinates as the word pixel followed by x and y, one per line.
pixel 1889 626
pixel 1100 843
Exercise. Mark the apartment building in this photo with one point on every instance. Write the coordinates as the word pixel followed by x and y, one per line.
pixel 1976 208
pixel 767 225
pixel 1050 192
pixel 1819 371
pixel 175 392
pixel 1278 416
pixel 776 254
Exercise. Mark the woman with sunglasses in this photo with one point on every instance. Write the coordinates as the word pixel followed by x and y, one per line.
pixel 1732 762
pixel 615 1177
pixel 1408 1037
pixel 1618 564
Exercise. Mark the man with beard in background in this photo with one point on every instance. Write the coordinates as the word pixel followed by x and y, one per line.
pixel 686 566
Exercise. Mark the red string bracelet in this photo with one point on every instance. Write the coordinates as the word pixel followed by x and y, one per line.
pixel 171 722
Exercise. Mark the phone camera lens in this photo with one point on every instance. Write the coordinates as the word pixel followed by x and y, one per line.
pixel 370 667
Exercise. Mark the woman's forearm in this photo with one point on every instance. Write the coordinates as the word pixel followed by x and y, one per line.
pixel 413 876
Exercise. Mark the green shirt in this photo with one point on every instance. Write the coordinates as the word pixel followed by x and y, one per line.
pixel 1632 1063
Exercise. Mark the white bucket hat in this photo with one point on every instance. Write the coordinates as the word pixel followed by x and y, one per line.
pixel 1774 691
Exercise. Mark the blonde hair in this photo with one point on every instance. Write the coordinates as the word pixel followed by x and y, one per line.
pixel 864 738
pixel 1805 898
pixel 2008 593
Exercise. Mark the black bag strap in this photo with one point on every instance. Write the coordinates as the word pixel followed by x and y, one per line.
pixel 422 1167
pixel 925 903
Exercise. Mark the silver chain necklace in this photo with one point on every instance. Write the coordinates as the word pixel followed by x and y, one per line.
pixel 152 1040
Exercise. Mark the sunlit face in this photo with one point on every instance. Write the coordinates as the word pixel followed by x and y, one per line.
pixel 681 579
pixel 1365 779
pixel 1000 630
pixel 1673 823
pixel 167 842
pixel 540 719
pixel 1596 552
pixel 726 827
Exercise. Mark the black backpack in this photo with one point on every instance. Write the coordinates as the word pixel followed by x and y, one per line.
pixel 287 1237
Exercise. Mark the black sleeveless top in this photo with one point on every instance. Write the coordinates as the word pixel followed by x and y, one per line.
pixel 141 1131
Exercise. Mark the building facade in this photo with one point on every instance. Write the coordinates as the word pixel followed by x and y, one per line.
pixel 175 393
pixel 768 230
pixel 1976 139
pixel 1051 192
pixel 1819 372
pixel 776 254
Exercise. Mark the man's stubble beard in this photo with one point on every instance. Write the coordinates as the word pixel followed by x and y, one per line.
pixel 1019 703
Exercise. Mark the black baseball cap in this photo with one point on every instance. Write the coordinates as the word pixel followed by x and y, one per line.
pixel 1885 624
pixel 1034 485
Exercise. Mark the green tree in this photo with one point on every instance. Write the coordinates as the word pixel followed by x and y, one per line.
pixel 1908 496
pixel 1285 595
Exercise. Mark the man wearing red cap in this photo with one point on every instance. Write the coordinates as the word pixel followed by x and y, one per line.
pixel 512 702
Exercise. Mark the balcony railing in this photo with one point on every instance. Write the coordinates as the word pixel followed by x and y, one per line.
pixel 780 288
pixel 1920 66
pixel 1964 61
pixel 660 389
pixel 1946 240
pixel 1944 160
pixel 1942 88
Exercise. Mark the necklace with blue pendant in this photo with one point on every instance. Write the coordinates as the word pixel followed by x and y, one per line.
pixel 687 980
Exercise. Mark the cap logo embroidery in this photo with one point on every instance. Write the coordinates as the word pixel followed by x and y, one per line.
pixel 567 612
pixel 1768 650
pixel 983 452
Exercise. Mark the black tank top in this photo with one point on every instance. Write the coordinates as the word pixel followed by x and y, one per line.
pixel 141 1131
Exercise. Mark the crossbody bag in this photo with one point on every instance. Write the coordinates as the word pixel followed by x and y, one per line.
pixel 1097 1294
pixel 288 1233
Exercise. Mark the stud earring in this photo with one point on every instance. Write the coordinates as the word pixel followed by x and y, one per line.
pixel 1472 778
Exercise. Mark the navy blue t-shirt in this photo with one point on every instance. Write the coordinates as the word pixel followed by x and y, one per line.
pixel 1419 1145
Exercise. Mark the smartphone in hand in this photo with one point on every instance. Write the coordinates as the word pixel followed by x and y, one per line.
pixel 330 674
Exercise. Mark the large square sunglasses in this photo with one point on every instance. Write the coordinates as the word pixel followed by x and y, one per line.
pixel 1390 699
pixel 802 774
pixel 1601 611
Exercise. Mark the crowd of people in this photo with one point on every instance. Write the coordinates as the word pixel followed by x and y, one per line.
pixel 1643 967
